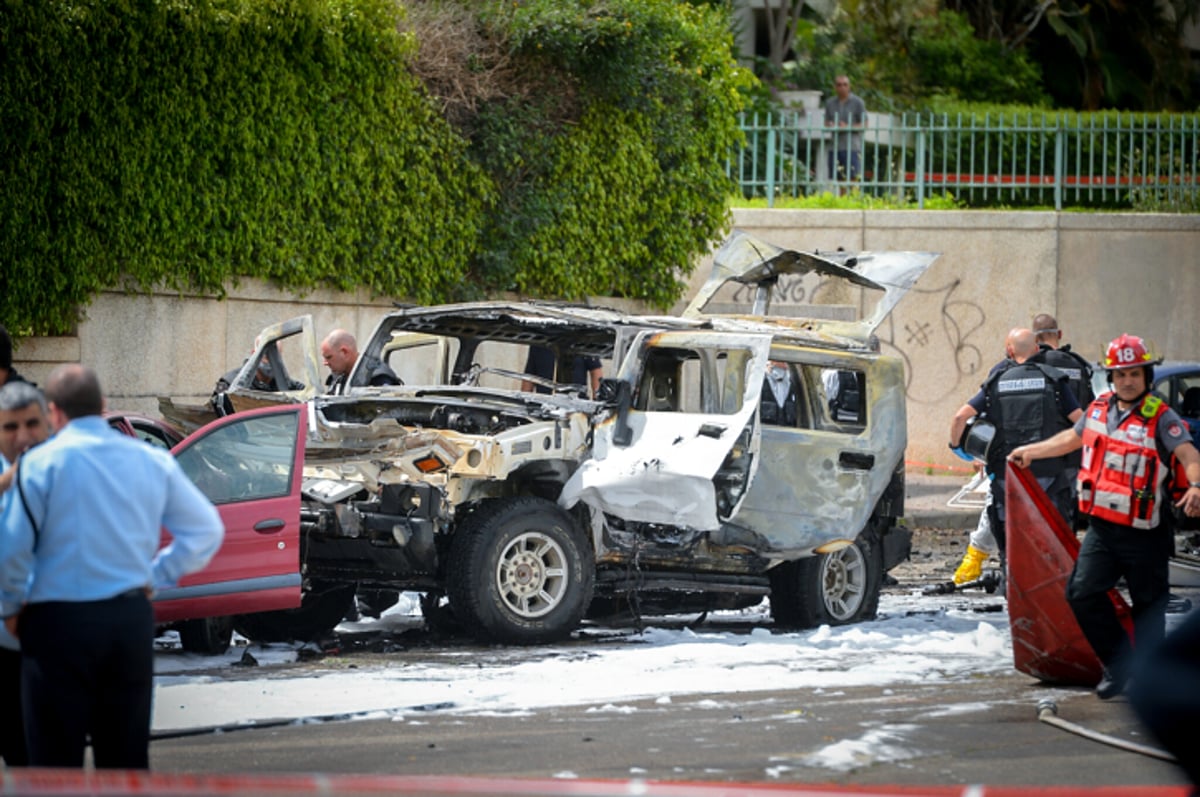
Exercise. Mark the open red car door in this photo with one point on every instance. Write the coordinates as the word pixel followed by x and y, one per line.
pixel 250 465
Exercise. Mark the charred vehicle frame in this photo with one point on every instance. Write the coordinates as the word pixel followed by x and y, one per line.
pixel 518 513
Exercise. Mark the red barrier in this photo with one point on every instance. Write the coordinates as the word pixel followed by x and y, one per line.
pixel 103 783
pixel 1047 641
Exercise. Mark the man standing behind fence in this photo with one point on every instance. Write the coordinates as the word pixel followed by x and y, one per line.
pixel 78 557
pixel 848 114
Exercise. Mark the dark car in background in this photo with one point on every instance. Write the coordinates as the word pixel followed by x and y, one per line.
pixel 1178 381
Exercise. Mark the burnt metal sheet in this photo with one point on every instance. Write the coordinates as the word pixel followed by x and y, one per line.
pixel 747 260
pixel 665 474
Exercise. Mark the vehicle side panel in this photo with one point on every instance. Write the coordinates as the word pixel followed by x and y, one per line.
pixel 815 487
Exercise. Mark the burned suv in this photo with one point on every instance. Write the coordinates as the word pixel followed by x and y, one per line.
pixel 725 457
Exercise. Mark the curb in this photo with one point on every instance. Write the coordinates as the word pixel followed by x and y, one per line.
pixel 949 518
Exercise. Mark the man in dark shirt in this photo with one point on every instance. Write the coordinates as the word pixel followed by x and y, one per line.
pixel 8 374
pixel 1026 401
pixel 339 350
pixel 540 361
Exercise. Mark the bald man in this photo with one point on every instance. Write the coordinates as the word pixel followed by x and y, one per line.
pixel 1026 401
pixel 339 350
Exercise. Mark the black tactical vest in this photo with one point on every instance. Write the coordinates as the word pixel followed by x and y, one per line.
pixel 1022 401
pixel 769 410
pixel 1077 369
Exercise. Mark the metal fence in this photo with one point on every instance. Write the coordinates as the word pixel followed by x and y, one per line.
pixel 1095 160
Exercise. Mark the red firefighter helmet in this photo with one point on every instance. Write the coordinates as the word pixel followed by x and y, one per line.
pixel 1128 351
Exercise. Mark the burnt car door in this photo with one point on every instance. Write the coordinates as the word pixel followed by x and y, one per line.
pixel 250 466
pixel 823 470
pixel 285 367
pixel 681 449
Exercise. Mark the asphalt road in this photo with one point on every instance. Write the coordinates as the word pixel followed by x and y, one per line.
pixel 986 731
pixel 958 733
pixel 983 731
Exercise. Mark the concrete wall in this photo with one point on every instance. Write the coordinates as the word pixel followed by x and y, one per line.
pixel 1100 274
pixel 143 346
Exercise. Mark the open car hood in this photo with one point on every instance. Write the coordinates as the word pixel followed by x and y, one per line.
pixel 747 260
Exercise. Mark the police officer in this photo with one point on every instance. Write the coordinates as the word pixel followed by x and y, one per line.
pixel 1053 352
pixel 1127 436
pixel 1025 401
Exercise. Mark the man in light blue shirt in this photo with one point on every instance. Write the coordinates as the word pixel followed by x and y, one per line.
pixel 79 556
pixel 23 424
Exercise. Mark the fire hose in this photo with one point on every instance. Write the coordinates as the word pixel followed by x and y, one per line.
pixel 1047 712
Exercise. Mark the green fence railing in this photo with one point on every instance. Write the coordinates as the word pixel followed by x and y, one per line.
pixel 1096 160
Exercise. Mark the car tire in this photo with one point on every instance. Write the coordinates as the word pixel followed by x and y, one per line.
pixel 829 589
pixel 321 608
pixel 520 572
pixel 209 636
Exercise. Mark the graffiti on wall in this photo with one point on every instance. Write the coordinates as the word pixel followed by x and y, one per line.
pixel 951 336
pixel 791 289
pixel 946 330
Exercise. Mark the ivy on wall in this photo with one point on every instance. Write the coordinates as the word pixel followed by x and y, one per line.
pixel 192 142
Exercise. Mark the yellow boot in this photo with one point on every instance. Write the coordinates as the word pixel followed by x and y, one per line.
pixel 972 565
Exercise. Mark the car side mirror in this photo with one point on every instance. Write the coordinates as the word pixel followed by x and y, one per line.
pixel 620 393
pixel 608 390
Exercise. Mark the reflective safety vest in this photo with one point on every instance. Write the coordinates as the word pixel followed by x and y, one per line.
pixel 1121 476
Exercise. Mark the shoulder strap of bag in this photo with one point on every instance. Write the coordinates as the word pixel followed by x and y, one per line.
pixel 25 506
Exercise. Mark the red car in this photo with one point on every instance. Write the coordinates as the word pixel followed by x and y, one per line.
pixel 250 466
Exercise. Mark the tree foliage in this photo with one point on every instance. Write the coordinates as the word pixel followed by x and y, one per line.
pixel 901 53
pixel 1098 53
pixel 1078 54
pixel 564 149
pixel 619 197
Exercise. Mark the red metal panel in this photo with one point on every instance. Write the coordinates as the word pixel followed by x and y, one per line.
pixel 1047 641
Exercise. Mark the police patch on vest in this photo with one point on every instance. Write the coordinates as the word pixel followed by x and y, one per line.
pixel 1022 385
pixel 1073 373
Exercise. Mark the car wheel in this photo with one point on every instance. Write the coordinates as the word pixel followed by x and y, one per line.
pixel 830 589
pixel 210 636
pixel 520 572
pixel 321 608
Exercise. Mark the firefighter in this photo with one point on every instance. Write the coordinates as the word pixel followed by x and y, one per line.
pixel 1127 435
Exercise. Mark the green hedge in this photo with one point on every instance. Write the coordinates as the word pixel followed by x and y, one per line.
pixel 634 187
pixel 190 142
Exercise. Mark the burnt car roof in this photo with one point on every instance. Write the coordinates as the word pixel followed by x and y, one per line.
pixel 579 328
